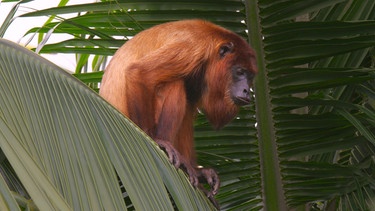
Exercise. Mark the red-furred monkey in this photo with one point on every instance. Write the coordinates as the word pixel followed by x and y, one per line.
pixel 164 74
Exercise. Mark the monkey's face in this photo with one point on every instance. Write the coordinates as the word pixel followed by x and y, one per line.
pixel 228 80
pixel 240 87
pixel 240 71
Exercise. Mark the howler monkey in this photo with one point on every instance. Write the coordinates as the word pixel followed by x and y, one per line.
pixel 162 76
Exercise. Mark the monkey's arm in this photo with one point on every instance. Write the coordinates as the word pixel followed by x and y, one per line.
pixel 170 112
pixel 175 125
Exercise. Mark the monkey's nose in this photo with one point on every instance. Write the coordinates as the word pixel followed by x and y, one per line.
pixel 246 96
pixel 243 98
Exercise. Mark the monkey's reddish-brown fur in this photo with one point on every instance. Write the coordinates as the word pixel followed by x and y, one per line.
pixel 161 76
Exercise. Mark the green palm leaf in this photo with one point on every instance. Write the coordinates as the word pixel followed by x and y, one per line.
pixel 67 145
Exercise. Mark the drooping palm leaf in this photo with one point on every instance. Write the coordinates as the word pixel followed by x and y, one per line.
pixel 67 145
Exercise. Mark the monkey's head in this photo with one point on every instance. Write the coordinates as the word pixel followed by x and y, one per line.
pixel 229 78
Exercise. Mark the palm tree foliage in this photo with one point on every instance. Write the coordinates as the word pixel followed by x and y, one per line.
pixel 308 139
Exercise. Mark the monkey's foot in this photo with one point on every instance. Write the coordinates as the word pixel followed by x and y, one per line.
pixel 209 176
pixel 178 161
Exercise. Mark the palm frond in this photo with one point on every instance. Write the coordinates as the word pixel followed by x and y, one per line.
pixel 68 146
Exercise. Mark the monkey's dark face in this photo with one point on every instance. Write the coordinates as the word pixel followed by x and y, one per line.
pixel 240 87
pixel 228 78
pixel 241 68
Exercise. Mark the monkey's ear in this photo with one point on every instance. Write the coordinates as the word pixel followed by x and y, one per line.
pixel 225 49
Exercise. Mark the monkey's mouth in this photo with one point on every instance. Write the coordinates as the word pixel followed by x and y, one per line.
pixel 241 101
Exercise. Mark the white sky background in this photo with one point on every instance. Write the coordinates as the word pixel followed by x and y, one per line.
pixel 20 26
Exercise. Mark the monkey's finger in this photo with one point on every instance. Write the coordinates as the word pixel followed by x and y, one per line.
pixel 194 180
pixel 173 157
pixel 172 154
pixel 214 183
pixel 212 179
pixel 215 186
pixel 191 172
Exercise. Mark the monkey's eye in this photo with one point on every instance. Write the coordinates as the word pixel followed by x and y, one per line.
pixel 240 72
pixel 225 49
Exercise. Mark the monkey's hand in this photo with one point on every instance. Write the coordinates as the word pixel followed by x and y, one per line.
pixel 178 161
pixel 209 176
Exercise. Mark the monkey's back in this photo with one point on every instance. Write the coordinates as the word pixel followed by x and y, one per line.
pixel 181 44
